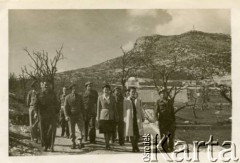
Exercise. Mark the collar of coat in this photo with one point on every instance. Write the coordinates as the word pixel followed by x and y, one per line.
pixel 105 97
pixel 129 98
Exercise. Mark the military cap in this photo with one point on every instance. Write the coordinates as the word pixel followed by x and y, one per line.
pixel 72 85
pixel 106 85
pixel 88 83
pixel 115 88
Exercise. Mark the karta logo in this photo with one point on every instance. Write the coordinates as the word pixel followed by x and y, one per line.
pixel 153 148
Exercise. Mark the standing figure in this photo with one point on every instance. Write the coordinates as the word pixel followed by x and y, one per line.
pixel 166 121
pixel 33 117
pixel 127 138
pixel 48 108
pixel 133 118
pixel 90 98
pixel 106 114
pixel 119 107
pixel 63 122
pixel 74 112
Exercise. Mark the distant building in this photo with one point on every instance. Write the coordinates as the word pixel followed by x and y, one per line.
pixel 149 94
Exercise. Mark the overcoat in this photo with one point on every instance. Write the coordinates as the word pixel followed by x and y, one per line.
pixel 128 116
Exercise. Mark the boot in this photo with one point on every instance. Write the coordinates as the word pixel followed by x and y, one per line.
pixel 73 145
pixel 80 145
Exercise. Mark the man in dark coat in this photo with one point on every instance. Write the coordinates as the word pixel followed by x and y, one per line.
pixel 166 121
pixel 48 108
pixel 74 112
pixel 90 98
pixel 119 107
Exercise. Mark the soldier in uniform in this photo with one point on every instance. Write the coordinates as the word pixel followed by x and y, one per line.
pixel 48 108
pixel 74 112
pixel 90 98
pixel 33 118
pixel 119 107
pixel 63 122
pixel 166 120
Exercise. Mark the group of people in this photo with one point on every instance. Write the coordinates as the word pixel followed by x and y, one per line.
pixel 110 112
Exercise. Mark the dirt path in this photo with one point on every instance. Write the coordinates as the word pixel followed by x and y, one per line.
pixel 62 145
pixel 22 146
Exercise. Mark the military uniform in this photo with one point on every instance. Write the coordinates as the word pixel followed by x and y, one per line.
pixel 63 122
pixel 47 106
pixel 120 124
pixel 74 109
pixel 166 122
pixel 90 104
pixel 33 118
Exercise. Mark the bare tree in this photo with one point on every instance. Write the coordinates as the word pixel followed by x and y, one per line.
pixel 23 81
pixel 162 71
pixel 202 70
pixel 43 66
pixel 128 66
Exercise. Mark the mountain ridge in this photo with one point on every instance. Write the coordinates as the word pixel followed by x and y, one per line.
pixel 195 43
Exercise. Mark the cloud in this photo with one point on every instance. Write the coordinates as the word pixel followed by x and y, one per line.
pixel 128 46
pixel 214 21
pixel 144 22
pixel 139 13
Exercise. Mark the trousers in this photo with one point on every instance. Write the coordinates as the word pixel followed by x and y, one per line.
pixel 64 123
pixel 33 123
pixel 73 121
pixel 48 131
pixel 90 128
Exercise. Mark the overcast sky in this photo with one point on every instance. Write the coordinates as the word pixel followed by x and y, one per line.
pixel 94 36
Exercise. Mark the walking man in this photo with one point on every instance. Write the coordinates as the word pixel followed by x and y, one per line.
pixel 63 122
pixel 33 117
pixel 166 121
pixel 90 98
pixel 119 107
pixel 48 108
pixel 74 112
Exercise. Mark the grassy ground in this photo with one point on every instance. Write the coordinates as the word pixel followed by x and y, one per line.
pixel 211 115
pixel 203 135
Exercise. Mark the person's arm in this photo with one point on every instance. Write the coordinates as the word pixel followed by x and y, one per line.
pixel 99 108
pixel 82 106
pixel 54 102
pixel 66 107
pixel 29 98
pixel 95 102
pixel 156 111
pixel 116 116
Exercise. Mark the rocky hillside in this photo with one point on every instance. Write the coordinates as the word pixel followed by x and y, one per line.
pixel 195 45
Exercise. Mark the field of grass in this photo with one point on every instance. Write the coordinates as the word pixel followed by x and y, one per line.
pixel 191 135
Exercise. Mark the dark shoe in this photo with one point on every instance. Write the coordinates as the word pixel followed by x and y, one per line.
pixel 67 136
pixel 121 143
pixel 73 146
pixel 45 149
pixel 137 149
pixel 51 150
pixel 134 150
pixel 108 147
pixel 80 146
pixel 92 142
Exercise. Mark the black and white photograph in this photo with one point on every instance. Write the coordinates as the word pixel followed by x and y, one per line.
pixel 95 81
pixel 153 83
